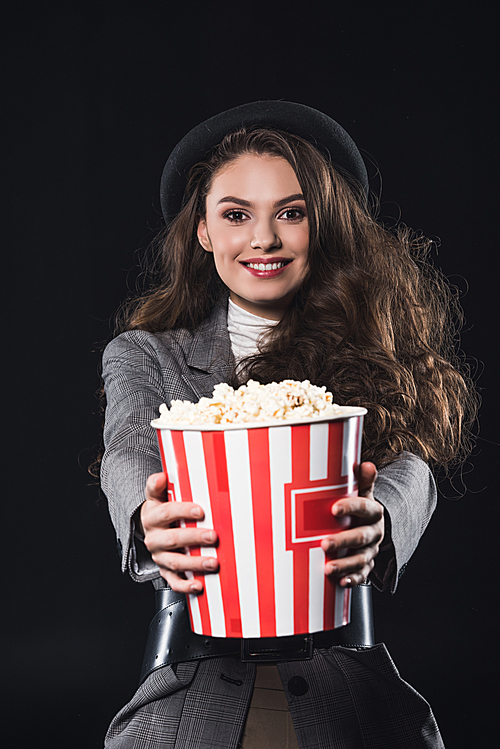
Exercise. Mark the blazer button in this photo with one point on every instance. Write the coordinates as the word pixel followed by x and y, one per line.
pixel 298 686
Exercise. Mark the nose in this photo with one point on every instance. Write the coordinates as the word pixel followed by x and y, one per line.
pixel 265 237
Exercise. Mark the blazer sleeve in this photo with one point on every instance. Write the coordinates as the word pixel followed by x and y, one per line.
pixel 407 490
pixel 134 390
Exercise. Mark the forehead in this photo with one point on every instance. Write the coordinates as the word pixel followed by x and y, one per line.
pixel 258 175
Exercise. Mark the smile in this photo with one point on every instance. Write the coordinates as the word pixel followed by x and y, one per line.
pixel 266 269
pixel 265 266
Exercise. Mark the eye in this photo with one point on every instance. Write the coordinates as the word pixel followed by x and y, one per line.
pixel 293 214
pixel 234 217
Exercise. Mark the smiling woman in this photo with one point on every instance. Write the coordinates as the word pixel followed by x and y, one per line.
pixel 272 267
pixel 260 242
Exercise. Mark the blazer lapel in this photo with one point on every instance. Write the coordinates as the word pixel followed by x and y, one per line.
pixel 210 358
pixel 202 384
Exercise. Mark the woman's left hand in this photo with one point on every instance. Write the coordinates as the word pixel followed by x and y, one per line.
pixel 362 540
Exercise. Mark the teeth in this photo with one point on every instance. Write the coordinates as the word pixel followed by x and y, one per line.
pixel 265 266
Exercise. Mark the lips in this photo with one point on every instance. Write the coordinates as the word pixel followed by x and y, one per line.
pixel 266 267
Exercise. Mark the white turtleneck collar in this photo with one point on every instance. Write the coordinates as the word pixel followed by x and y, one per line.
pixel 245 329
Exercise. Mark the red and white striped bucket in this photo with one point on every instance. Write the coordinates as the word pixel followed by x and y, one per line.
pixel 268 492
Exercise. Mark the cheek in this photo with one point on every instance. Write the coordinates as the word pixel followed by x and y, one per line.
pixel 305 239
pixel 227 244
pixel 298 239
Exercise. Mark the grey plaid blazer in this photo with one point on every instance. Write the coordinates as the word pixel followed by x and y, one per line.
pixel 354 699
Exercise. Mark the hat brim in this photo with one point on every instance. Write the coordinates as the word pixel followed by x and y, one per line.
pixel 308 123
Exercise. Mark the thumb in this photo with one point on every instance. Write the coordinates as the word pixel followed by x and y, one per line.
pixel 367 473
pixel 156 486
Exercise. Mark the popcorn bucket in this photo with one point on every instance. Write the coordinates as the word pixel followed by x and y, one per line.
pixel 268 492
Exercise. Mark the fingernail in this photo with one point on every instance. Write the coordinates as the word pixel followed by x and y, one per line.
pixel 209 536
pixel 195 588
pixel 210 564
pixel 347 581
pixel 196 512
pixel 338 511
pixel 333 569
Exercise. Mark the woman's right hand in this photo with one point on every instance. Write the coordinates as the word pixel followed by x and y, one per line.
pixel 165 541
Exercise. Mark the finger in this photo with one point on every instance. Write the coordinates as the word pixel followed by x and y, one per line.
pixel 352 564
pixel 354 538
pixel 351 574
pixel 179 570
pixel 180 584
pixel 365 508
pixel 162 514
pixel 354 579
pixel 168 539
pixel 175 561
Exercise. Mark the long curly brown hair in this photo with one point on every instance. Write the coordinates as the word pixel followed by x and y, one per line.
pixel 374 321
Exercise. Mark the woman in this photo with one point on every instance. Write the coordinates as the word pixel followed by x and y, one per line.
pixel 272 268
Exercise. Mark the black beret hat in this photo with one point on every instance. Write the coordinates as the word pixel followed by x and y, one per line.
pixel 308 123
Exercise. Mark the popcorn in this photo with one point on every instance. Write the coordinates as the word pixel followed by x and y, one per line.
pixel 254 402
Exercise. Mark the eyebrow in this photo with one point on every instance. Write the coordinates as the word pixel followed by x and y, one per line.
pixel 247 204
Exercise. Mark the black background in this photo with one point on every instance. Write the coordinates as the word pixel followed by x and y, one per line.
pixel 97 96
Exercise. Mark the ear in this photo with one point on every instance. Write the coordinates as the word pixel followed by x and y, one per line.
pixel 202 233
